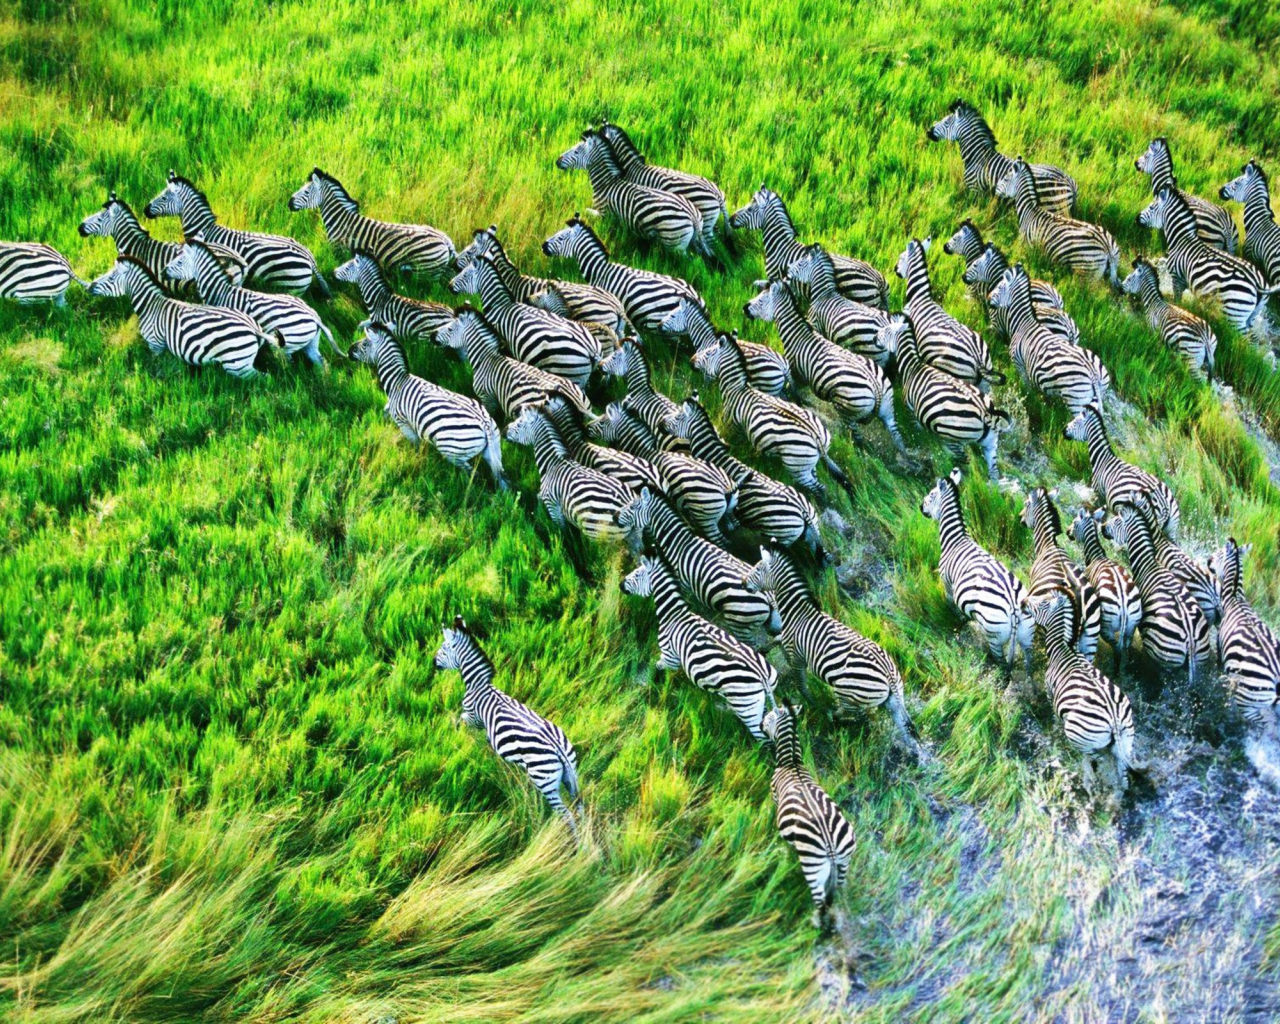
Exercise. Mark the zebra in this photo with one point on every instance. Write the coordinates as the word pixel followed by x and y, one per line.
pixel 705 195
pixel 808 820
pixel 1261 234
pixel 1175 633
pixel 954 411
pixel 1095 713
pixel 985 265
pixel 198 335
pixel 1075 244
pixel 1052 570
pixel 1071 373
pixel 860 673
pixel 984 167
pixel 1117 481
pixel 572 493
pixel 271 261
pixel 116 221
pixel 1237 283
pixel 632 471
pixel 1247 647
pixel 409 319
pixel 298 326
pixel 942 340
pixel 648 297
pixel 629 362
pixel 500 382
pixel 975 581
pixel 767 213
pixel 669 219
pixel 713 659
pixel 1181 330
pixel 459 428
pixel 712 577
pixel 770 508
pixel 517 735
pixel 767 370
pixel 1214 225
pixel 34 272
pixel 1119 600
pixel 853 383
pixel 1194 577
pixel 701 492
pixel 772 425
pixel 545 340
pixel 407 248
pixel 847 322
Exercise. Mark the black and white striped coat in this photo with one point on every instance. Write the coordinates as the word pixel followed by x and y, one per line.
pixel 1071 373
pixel 1175 633
pixel 1247 646
pixel 570 492
pixel 1181 330
pixel 955 412
pixel 271 261
pixel 517 735
pixel 710 576
pixel 767 213
pixel 942 341
pixel 984 591
pixel 1117 481
pixel 669 219
pixel 1261 233
pixel 632 471
pixel 1075 244
pixel 296 324
pixel 767 370
pixel 409 319
pixel 1214 224
pixel 534 336
pixel 860 673
pixel 504 384
pixel 1119 600
pixel 847 322
pixel 808 820
pixel 408 248
pixel 647 296
pixel 857 387
pixel 1095 713
pixel 773 509
pixel 198 335
pixel 458 427
pixel 630 363
pixel 35 272
pixel 1190 573
pixel 1209 272
pixel 713 660
pixel 985 166
pixel 1052 571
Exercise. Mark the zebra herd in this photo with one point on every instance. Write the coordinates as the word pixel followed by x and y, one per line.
pixel 654 474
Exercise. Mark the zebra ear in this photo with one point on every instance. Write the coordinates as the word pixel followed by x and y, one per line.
pixel 926 242
pixel 1053 494
pixel 458 624
pixel 956 476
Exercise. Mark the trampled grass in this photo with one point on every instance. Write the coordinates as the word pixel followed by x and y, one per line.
pixel 233 786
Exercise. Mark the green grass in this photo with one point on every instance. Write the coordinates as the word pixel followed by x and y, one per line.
pixel 231 783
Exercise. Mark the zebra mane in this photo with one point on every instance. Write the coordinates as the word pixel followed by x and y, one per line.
pixel 623 137
pixel 178 179
pixel 967 109
pixel 1262 175
pixel 1051 510
pixel 146 271
pixel 346 196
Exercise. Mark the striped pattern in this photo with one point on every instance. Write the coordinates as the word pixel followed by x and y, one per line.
pixel 458 427
pixel 409 319
pixel 545 340
pixel 198 335
pixel 1117 481
pixel 1261 233
pixel 767 213
pixel 1074 244
pixel 983 590
pixel 408 248
pixel 984 166
pixel 1191 574
pixel 630 363
pixel 712 659
pixel 34 272
pixel 271 261
pixel 517 735
pixel 809 821
pixel 766 369
pixel 1214 224
pixel 1181 330
pixel 847 322
pixel 1053 571
pixel 1119 600
pixel 632 471
pixel 664 217
pixel 955 412
pixel 1247 647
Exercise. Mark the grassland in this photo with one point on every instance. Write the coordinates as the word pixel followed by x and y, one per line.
pixel 231 784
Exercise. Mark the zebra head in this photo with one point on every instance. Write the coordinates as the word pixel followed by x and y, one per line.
pixel 564 243
pixel 577 156
pixel 912 260
pixel 1237 189
pixel 456 644
pixel 604 429
pixel 103 223
pixel 311 194
pixel 378 337
pixel 779 724
pixel 1078 428
pixel 677 321
pixel 116 282
pixel 1052 612
pixel 525 428
pixel 184 266
pixel 982 271
pixel 707 360
pixel 635 515
pixel 1116 529
pixel 618 362
pixel 1007 187
pixel 1226 568
pixel 950 127
pixel 763 576
pixel 680 423
pixel 1155 158
pixel 351 271
pixel 639 581
pixel 752 215
pixel 1002 294
pixel 483 240
pixel 1153 214
pixel 889 337
pixel 1142 273
pixel 169 200
pixel 765 305
pixel 621 142
pixel 467 281
pixel 946 491
pixel 966 242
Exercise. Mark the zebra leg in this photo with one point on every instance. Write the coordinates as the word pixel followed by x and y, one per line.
pixel 988 447
pixel 550 789
pixel 408 431
pixel 312 352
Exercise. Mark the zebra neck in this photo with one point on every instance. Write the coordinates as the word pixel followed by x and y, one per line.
pixel 918 288
pixel 1045 538
pixel 602 172
pixel 1055 640
pixel 701 331
pixel 977 147
pixel 1180 226
pixel 704 442
pixel 973 246
pixel 786 749
pixel 1142 552
pixel 1152 300
pixel 1024 200
pixel 667 599
pixel 1100 453
pixel 639 378
pixel 797 335
pixel 147 298
pixel 791 591
pixel 338 215
pixel 196 216
pixel 951 529
pixel 493 293
pixel 374 290
pixel 477 675
pixel 213 285
pixel 1257 208
pixel 392 369
pixel 548 450
pixel 779 238
pixel 592 259
pixel 1091 546
pixel 667 531
pixel 1161 175
pixel 129 235
pixel 516 283
pixel 823 284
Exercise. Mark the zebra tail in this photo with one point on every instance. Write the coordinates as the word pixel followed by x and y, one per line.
pixel 840 476
pixel 321 285
pixel 898 711
pixel 570 776
pixel 332 344
pixel 80 281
